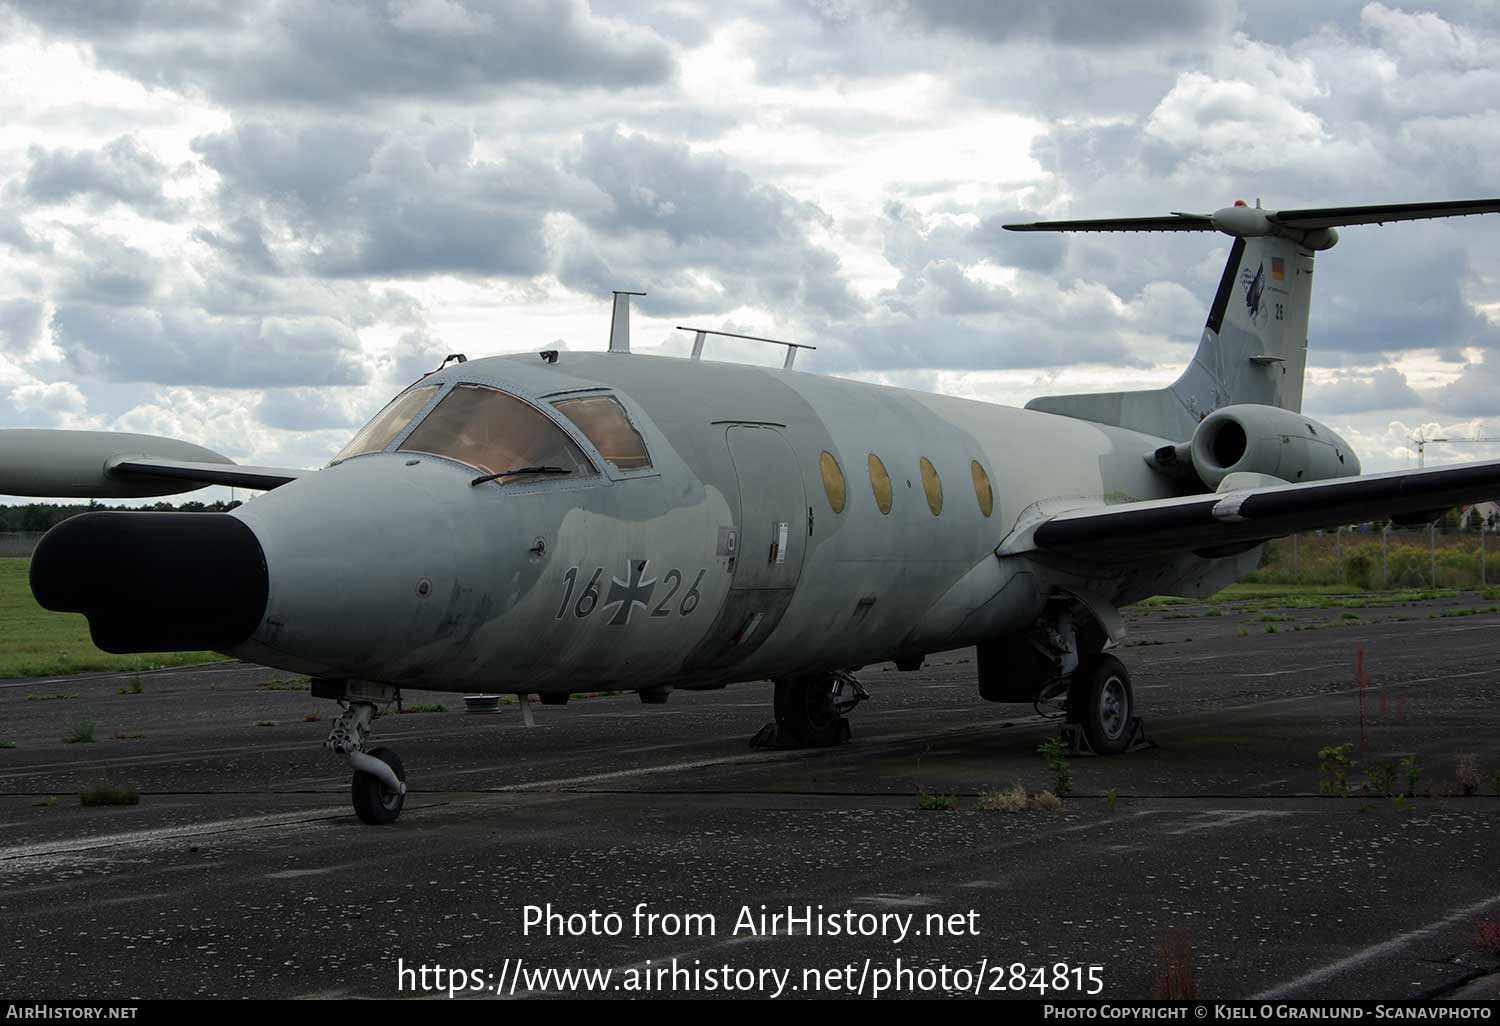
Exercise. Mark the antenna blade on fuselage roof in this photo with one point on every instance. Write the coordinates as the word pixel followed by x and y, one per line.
pixel 1171 223
pixel 1333 217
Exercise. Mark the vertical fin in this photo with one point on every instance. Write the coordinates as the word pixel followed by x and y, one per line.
pixel 1253 349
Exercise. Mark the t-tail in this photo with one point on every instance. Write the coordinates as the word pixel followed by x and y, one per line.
pixel 1254 346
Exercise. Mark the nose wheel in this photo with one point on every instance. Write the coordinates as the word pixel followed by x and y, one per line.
pixel 378 787
pixel 375 801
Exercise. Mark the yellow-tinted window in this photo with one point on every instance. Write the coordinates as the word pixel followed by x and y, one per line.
pixel 982 490
pixel 880 484
pixel 833 481
pixel 933 486
pixel 389 422
pixel 497 433
pixel 603 420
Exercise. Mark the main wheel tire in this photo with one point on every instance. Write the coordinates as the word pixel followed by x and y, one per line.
pixel 805 711
pixel 374 804
pixel 1101 701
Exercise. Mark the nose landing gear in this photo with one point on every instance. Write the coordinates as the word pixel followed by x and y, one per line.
pixel 378 788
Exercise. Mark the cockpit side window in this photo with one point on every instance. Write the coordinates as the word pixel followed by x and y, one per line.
pixel 389 422
pixel 497 433
pixel 603 420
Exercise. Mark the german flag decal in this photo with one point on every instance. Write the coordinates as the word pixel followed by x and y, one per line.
pixel 1278 269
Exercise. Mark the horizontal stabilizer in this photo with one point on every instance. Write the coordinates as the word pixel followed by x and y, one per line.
pixel 1334 217
pixel 1171 223
pixel 234 475
pixel 1246 222
pixel 117 465
pixel 1195 522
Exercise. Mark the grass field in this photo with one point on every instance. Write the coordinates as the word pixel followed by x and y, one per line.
pixel 36 643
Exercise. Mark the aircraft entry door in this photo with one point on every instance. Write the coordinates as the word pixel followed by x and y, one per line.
pixel 771 541
pixel 773 509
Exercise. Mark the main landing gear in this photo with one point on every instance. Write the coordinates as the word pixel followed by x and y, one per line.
pixel 1101 707
pixel 378 788
pixel 1062 660
pixel 811 711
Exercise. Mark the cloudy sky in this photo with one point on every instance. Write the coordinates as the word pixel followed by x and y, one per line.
pixel 248 224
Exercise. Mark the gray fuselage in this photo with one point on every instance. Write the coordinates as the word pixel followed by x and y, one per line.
pixel 723 561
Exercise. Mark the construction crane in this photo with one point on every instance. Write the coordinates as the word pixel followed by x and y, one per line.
pixel 1422 442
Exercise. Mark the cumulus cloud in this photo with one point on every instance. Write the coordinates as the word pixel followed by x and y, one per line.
pixel 122 171
pixel 348 53
pixel 1384 388
pixel 1074 23
pixel 178 346
pixel 20 324
pixel 302 208
pixel 359 202
pixel 305 409
pixel 704 233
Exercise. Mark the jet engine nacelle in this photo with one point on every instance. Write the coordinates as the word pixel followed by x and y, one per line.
pixel 1268 440
pixel 79 464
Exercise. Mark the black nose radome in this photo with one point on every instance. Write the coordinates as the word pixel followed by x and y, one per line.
pixel 154 582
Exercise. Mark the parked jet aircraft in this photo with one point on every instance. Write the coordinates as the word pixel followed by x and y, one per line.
pixel 565 522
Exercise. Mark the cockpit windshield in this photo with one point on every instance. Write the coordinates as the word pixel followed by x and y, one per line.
pixel 389 422
pixel 497 433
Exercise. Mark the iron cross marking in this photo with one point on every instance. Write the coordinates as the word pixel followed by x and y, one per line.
pixel 626 595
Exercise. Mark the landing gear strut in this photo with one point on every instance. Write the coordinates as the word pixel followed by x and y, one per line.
pixel 811 711
pixel 1061 660
pixel 378 788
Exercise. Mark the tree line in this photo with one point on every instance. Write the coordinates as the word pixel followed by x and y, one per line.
pixel 43 516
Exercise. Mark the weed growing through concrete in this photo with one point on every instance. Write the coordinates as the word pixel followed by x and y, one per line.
pixel 1172 977
pixel 1111 798
pixel 48 802
pixel 937 802
pixel 1334 764
pixel 265 723
pixel 135 687
pixel 1412 774
pixel 50 698
pixel 1013 799
pixel 7 744
pixel 432 707
pixel 1380 778
pixel 1487 936
pixel 82 733
pixel 1046 801
pixel 1054 753
pixel 105 793
pixel 1466 774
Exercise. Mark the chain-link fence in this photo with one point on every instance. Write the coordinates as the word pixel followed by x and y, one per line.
pixel 1374 557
